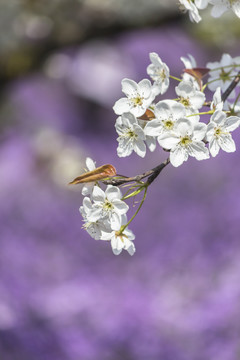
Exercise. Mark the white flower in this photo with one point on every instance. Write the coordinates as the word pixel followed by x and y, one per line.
pixel 139 97
pixel 120 242
pixel 184 141
pixel 218 132
pixel 159 73
pixel 188 5
pixel 88 187
pixel 220 6
pixel 131 136
pixel 191 98
pixel 167 112
pixel 217 103
pixel 223 75
pixel 94 228
pixel 190 63
pixel 108 205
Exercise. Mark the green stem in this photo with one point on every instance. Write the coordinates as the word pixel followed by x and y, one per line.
pixel 175 78
pixel 123 227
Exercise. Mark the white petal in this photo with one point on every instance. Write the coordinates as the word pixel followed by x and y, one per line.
pixel 87 205
pixel 129 87
pixel 227 144
pixel 153 128
pixel 91 165
pixel 178 156
pixel 151 143
pixel 129 246
pixel 140 148
pixel 198 150
pixel 87 189
pixel 219 117
pixel 197 100
pixel 121 106
pixel 184 127
pixel 145 88
pixel 98 194
pixel 120 206
pixel 95 214
pixel 199 131
pixel 232 122
pixel 214 147
pixel 113 192
pixel 115 221
pixel 168 140
pixel 117 245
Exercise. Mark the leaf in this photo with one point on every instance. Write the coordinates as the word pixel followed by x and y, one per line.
pixel 99 173
pixel 148 115
pixel 198 74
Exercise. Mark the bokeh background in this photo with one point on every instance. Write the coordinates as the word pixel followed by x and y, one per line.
pixel 64 296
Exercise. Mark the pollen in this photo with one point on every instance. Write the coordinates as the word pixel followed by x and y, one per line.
pixel 108 205
pixel 185 141
pixel 185 101
pixel 137 101
pixel 218 131
pixel 160 73
pixel 168 124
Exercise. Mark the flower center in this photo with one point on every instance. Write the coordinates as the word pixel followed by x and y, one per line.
pixel 225 76
pixel 131 134
pixel 168 124
pixel 108 206
pixel 218 131
pixel 137 101
pixel 185 101
pixel 185 140
pixel 160 73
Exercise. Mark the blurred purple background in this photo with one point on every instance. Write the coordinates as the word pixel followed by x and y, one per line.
pixel 64 296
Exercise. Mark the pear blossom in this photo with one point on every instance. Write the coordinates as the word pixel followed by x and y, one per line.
pixel 108 206
pixel 94 228
pixel 185 141
pixel 167 112
pixel 218 132
pixel 119 242
pixel 159 73
pixel 131 136
pixel 220 6
pixel 139 97
pixel 191 98
pixel 221 73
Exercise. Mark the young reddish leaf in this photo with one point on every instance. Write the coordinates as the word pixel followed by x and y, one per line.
pixel 148 115
pixel 99 173
pixel 198 74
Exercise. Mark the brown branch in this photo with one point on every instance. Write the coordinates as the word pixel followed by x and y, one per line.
pixel 231 87
pixel 151 174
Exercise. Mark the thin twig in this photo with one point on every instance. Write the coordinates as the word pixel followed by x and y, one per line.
pixel 231 87
pixel 151 174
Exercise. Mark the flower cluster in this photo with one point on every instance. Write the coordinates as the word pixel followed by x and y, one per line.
pixel 104 214
pixel 218 7
pixel 175 124
pixel 187 126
